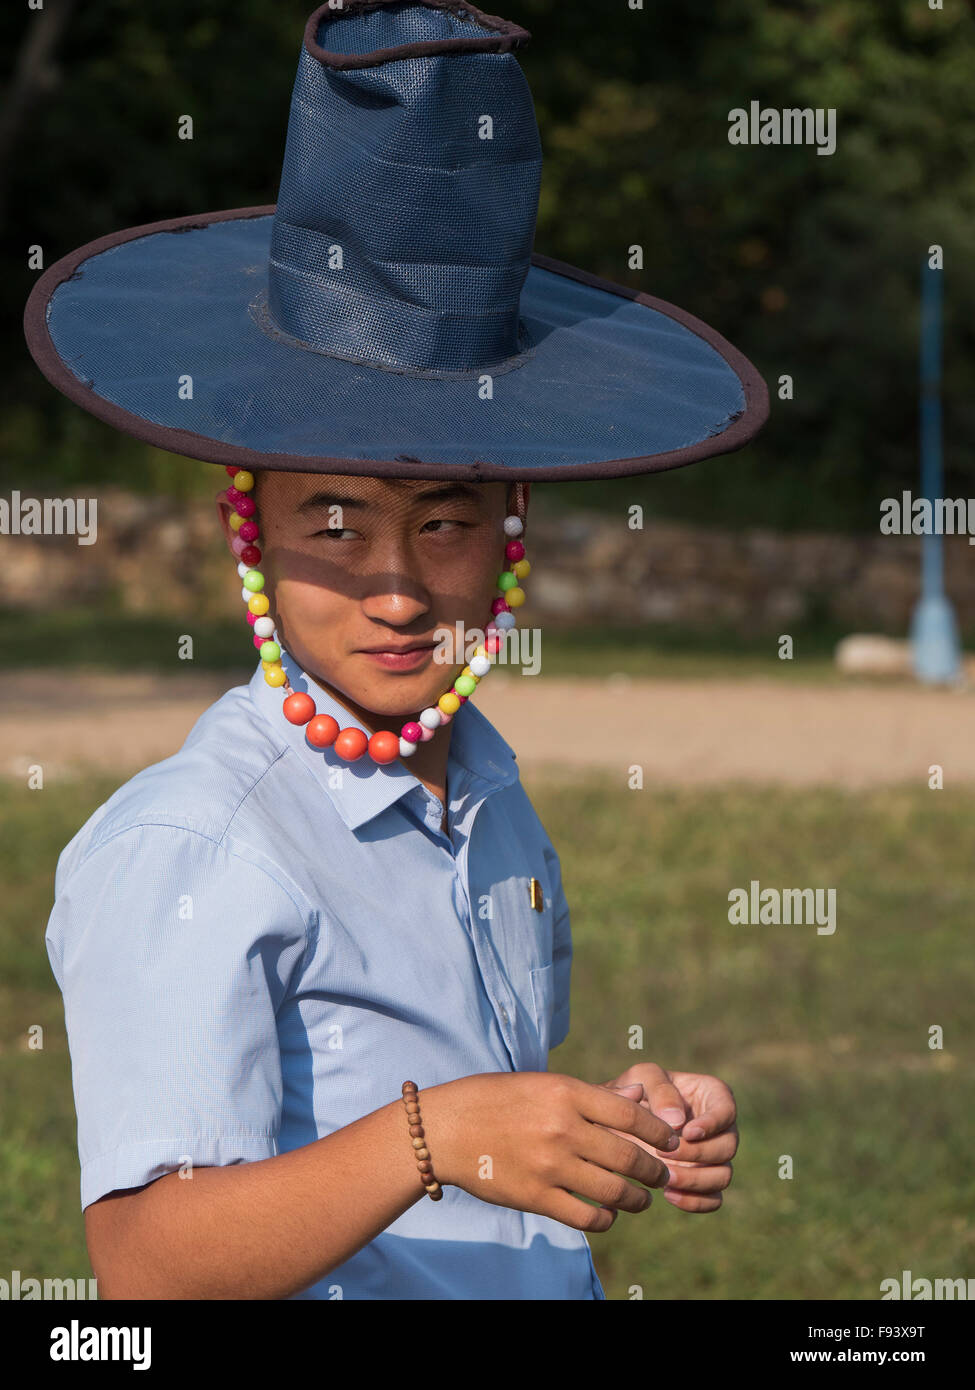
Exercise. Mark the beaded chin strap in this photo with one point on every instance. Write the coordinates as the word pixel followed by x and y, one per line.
pixel 321 730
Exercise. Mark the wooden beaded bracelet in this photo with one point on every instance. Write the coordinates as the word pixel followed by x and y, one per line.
pixel 411 1099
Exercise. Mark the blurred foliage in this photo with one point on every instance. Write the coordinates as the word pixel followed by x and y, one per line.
pixel 810 264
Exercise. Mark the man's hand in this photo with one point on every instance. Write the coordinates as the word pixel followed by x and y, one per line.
pixel 702 1110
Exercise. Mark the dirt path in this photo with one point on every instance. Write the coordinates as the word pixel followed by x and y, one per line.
pixel 693 731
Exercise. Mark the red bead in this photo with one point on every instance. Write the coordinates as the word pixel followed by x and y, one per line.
pixel 259 641
pixel 233 468
pixel 246 506
pixel 234 496
pixel 250 555
pixel 493 643
pixel 383 747
pixel 322 731
pixel 515 550
pixel 498 605
pixel 249 531
pixel 462 698
pixel 351 744
pixel 299 708
pixel 251 618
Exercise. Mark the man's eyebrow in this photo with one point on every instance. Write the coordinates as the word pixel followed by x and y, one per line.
pixel 449 492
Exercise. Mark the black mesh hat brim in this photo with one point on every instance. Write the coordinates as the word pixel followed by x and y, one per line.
pixel 162 331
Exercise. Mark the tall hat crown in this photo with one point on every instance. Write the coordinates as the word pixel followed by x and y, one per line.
pixel 409 188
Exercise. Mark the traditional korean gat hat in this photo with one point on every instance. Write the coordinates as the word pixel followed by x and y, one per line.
pixel 387 316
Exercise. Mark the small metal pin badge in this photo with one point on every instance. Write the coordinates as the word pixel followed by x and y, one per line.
pixel 535 891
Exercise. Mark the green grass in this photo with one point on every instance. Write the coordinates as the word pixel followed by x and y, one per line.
pixel 108 639
pixel 823 1039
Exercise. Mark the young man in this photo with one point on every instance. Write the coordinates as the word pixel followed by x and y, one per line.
pixel 265 939
pixel 255 942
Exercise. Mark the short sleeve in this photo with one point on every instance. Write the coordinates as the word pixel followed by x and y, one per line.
pixel 173 955
pixel 561 957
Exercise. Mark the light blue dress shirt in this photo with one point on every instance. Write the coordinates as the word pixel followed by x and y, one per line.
pixel 257 944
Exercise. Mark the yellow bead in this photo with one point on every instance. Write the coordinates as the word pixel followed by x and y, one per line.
pixel 236 522
pixel 270 665
pixel 243 481
pixel 521 569
pixel 515 597
pixel 482 651
pixel 259 604
pixel 275 676
pixel 468 672
pixel 448 703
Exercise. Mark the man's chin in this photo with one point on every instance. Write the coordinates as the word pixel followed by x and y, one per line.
pixel 392 694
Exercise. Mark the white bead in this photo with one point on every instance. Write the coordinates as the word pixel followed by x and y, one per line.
pixel 513 526
pixel 246 595
pixel 243 569
pixel 406 748
pixel 264 627
pixel 480 665
pixel 504 620
pixel 430 718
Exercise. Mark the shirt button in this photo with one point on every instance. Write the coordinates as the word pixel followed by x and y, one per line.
pixel 504 1013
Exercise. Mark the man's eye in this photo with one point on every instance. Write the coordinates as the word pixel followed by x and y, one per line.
pixel 335 531
pixel 445 521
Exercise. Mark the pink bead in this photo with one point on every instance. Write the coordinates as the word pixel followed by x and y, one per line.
pixel 499 605
pixel 246 506
pixel 252 618
pixel 411 732
pixel 427 734
pixel 515 550
pixel 249 531
pixel 493 643
pixel 462 698
pixel 237 545
pixel 234 496
pixel 259 641
pixel 444 719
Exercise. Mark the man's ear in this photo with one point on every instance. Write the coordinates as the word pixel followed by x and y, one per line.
pixel 224 512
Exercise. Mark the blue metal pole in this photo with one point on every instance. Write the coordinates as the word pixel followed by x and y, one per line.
pixel 934 632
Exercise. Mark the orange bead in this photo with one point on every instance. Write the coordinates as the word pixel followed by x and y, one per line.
pixel 384 746
pixel 299 707
pixel 352 743
pixel 322 731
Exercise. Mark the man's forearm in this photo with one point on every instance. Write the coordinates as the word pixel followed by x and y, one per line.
pixel 261 1230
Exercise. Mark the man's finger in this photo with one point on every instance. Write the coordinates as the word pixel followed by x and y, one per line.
pixel 706 1181
pixel 618 1110
pixel 667 1102
pixel 712 1122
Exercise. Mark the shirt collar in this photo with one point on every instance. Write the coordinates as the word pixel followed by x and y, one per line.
pixel 369 788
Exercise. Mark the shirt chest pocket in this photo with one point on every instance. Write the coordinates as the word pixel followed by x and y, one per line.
pixel 523 933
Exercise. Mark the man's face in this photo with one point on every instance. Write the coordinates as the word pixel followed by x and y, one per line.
pixel 360 564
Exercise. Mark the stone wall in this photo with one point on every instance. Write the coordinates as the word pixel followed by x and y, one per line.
pixel 588 568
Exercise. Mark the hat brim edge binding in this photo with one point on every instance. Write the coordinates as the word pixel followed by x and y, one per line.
pixel 739 432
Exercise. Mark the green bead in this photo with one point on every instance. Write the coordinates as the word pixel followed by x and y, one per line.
pixel 507 580
pixel 254 581
pixel 270 651
pixel 465 685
